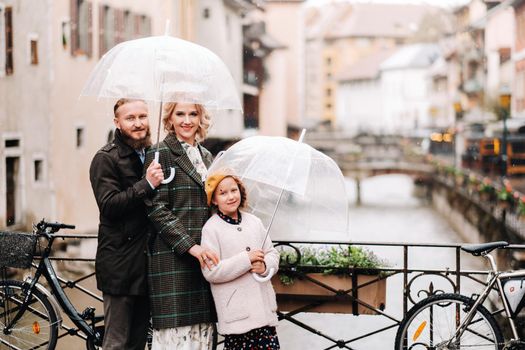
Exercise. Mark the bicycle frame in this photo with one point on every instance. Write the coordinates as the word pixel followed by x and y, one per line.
pixel 493 280
pixel 46 269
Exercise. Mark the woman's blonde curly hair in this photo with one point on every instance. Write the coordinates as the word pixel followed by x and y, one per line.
pixel 204 120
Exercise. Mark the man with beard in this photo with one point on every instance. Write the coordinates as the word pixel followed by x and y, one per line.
pixel 122 194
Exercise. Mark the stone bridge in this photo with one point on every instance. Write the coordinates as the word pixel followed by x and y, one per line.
pixel 365 156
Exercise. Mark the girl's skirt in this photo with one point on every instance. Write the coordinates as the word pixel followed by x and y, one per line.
pixel 264 338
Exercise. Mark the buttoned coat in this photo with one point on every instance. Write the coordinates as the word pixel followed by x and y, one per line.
pixel 121 193
pixel 242 302
pixel 180 296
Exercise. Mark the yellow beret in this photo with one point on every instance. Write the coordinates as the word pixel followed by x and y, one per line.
pixel 213 180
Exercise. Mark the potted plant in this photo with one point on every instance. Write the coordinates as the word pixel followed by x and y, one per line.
pixel 486 190
pixel 459 177
pixel 505 195
pixel 330 280
pixel 473 183
pixel 521 208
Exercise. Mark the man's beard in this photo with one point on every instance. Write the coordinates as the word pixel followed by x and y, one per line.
pixel 137 144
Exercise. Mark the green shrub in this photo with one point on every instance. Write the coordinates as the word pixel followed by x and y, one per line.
pixel 336 260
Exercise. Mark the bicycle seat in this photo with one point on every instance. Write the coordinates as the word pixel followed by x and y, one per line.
pixel 484 248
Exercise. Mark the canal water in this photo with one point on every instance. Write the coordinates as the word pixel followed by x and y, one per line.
pixel 390 212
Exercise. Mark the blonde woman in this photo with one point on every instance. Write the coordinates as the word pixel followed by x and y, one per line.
pixel 182 306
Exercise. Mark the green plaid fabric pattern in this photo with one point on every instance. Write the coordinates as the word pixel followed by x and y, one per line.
pixel 179 294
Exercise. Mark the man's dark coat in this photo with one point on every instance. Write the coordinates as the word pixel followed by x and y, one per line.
pixel 121 192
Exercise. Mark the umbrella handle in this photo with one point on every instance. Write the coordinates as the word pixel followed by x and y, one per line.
pixel 260 279
pixel 172 170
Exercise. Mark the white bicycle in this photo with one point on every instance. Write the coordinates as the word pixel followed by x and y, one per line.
pixel 454 321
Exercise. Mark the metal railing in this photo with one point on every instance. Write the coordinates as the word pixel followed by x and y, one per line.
pixel 411 293
pixel 454 277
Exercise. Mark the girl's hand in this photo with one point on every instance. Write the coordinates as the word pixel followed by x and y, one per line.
pixel 258 267
pixel 207 258
pixel 256 255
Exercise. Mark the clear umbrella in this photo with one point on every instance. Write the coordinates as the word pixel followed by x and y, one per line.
pixel 164 69
pixel 298 192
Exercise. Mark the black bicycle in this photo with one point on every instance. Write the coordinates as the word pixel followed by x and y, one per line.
pixel 29 315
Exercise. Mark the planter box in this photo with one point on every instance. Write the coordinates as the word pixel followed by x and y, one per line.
pixel 304 292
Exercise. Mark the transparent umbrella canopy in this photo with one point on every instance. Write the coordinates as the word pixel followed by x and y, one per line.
pixel 164 69
pixel 298 192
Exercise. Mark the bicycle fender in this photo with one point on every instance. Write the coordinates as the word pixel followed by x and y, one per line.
pixel 52 301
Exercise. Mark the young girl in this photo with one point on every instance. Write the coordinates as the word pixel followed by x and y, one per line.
pixel 246 308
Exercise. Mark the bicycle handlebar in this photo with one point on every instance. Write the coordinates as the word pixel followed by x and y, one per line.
pixel 53 226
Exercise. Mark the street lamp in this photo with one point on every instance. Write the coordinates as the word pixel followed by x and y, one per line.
pixel 504 102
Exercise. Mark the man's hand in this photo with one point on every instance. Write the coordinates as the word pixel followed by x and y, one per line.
pixel 258 267
pixel 207 258
pixel 154 174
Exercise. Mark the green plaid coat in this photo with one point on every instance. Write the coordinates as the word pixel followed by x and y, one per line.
pixel 179 294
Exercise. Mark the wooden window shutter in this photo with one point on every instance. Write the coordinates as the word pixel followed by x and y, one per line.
pixel 89 52
pixel 9 64
pixel 136 20
pixel 73 7
pixel 147 20
pixel 119 26
pixel 101 20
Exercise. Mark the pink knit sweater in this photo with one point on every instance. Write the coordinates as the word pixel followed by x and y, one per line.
pixel 242 303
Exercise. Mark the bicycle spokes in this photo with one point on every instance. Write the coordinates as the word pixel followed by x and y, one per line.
pixel 443 323
pixel 31 322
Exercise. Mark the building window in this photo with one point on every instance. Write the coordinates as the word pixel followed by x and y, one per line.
pixel 12 143
pixel 228 28
pixel 8 23
pixel 81 28
pixel 145 26
pixel 33 49
pixel 128 25
pixel 38 171
pixel 106 29
pixel 206 13
pixel 12 184
pixel 142 26
pixel 80 137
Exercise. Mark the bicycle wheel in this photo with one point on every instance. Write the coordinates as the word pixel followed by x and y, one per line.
pixel 38 326
pixel 431 324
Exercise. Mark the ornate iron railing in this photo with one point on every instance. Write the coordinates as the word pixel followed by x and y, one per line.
pixel 454 277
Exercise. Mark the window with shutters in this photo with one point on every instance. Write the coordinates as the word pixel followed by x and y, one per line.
pixel 128 25
pixel 8 24
pixel 119 26
pixel 81 27
pixel 33 49
pixel 2 40
pixel 107 29
pixel 142 26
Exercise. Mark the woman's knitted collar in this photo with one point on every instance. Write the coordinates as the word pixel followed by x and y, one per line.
pixel 229 219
